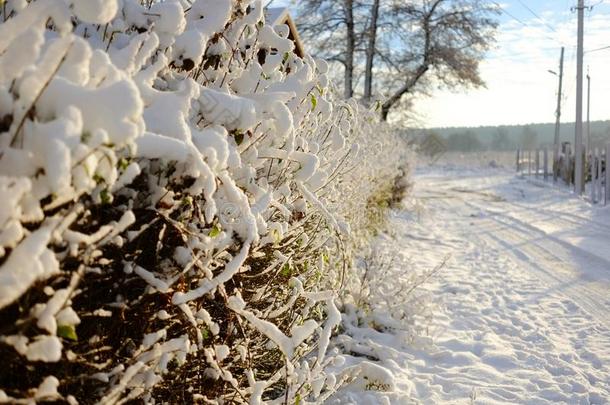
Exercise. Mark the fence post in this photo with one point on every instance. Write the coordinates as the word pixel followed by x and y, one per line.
pixel 568 165
pixel 518 161
pixel 593 174
pixel 546 164
pixel 555 162
pixel 537 161
pixel 599 153
pixel 529 162
pixel 607 199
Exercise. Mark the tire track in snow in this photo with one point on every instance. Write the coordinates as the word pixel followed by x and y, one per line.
pixel 549 332
pixel 550 256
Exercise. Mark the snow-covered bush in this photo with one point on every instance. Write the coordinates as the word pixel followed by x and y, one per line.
pixel 181 196
pixel 386 306
pixel 377 300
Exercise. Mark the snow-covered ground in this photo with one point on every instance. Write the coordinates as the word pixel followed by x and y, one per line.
pixel 524 314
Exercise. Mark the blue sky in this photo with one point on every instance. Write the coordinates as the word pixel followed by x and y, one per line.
pixel 519 87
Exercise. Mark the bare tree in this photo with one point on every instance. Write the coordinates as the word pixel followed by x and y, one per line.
pixel 330 25
pixel 370 52
pixel 406 47
pixel 350 34
pixel 446 38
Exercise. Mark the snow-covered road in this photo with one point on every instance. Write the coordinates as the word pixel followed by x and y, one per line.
pixel 527 292
pixel 525 295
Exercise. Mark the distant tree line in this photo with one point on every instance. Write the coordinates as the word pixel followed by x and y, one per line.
pixel 507 137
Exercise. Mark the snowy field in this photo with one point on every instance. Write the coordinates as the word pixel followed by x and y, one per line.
pixel 524 298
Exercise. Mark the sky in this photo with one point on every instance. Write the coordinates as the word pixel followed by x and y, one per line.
pixel 520 89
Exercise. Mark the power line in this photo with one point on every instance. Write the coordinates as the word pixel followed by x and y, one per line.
pixel 598 49
pixel 509 14
pixel 536 15
pixel 502 10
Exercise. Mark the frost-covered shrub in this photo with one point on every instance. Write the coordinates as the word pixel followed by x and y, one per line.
pixel 384 307
pixel 379 301
pixel 181 194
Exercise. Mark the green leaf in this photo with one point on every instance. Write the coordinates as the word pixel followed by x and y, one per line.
pixel 123 163
pixel 188 200
pixel 297 399
pixel 239 137
pixel 98 179
pixel 67 332
pixel 286 270
pixel 205 333
pixel 214 232
pixel 105 196
pixel 276 236
pixel 314 102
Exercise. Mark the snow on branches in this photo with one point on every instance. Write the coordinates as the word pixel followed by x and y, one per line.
pixel 180 196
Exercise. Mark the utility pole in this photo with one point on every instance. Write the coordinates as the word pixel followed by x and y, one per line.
pixel 558 119
pixel 578 161
pixel 588 113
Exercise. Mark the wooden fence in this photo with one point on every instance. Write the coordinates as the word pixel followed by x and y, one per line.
pixel 558 166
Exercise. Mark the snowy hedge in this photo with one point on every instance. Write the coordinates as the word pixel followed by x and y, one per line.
pixel 181 196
